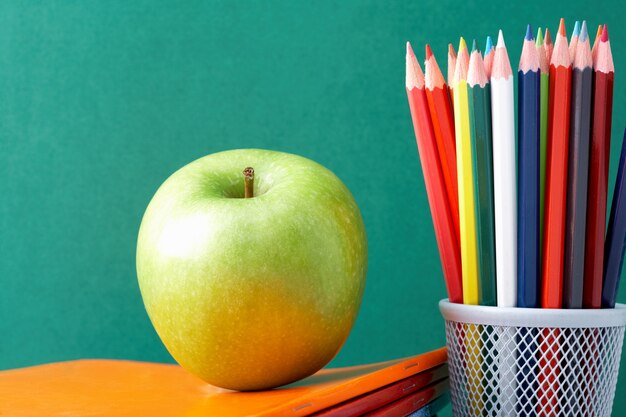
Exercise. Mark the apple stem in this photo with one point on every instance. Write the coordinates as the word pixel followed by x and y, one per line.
pixel 248 176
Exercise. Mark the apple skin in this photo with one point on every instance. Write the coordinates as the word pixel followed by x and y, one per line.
pixel 253 293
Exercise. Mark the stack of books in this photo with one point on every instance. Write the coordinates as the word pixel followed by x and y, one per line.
pixel 416 386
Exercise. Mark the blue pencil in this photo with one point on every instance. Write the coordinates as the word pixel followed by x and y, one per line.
pixel 528 188
pixel 615 244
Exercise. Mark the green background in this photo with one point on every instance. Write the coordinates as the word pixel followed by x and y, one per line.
pixel 101 101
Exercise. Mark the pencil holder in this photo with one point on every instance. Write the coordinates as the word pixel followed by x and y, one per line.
pixel 532 362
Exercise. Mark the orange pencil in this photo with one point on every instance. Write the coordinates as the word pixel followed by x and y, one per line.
pixel 443 126
pixel 447 240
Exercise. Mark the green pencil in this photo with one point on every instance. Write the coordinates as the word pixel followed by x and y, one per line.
pixel 479 101
pixel 544 82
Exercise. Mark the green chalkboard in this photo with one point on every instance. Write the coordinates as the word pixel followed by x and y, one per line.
pixel 100 101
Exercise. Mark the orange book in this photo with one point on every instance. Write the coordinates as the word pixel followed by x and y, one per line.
pixel 123 388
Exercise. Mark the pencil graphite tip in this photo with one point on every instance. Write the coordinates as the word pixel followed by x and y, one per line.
pixel 429 52
pixel 488 45
pixel 409 49
pixel 576 31
pixel 539 41
pixel 548 38
pixel 474 47
pixel 529 33
pixel 598 32
pixel 562 28
pixel 605 34
pixel 500 43
pixel 451 50
pixel 462 44
pixel 583 32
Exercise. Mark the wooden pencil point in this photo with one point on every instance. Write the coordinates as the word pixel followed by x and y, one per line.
pixel 462 44
pixel 562 31
pixel 451 50
pixel 539 39
pixel 429 52
pixel 409 49
pixel 529 33
pixel 605 34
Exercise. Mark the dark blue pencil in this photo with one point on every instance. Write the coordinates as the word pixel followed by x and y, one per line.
pixel 529 93
pixel 615 244
pixel 528 133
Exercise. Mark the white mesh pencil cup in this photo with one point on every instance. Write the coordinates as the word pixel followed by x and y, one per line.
pixel 532 362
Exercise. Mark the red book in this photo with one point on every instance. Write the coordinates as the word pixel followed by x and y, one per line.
pixel 412 402
pixel 379 398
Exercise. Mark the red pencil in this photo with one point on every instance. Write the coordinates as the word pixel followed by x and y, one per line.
pixel 598 171
pixel 556 171
pixel 554 223
pixel 433 177
pixel 443 126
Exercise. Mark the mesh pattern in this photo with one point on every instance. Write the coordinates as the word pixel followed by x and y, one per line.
pixel 532 371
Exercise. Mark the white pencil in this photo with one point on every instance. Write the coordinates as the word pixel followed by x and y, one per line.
pixel 504 182
pixel 505 206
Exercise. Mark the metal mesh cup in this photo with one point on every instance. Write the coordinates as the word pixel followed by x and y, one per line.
pixel 532 362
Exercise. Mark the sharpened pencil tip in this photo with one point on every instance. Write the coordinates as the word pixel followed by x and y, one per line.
pixel 409 49
pixel 576 31
pixel 451 50
pixel 562 28
pixel 429 52
pixel 547 38
pixel 539 41
pixel 529 33
pixel 500 43
pixel 474 47
pixel 605 34
pixel 462 44
pixel 488 45
pixel 583 32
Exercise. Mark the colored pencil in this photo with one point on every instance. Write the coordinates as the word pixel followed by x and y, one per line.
pixel 433 178
pixel 556 172
pixel 528 77
pixel 547 41
pixel 603 81
pixel 479 103
pixel 443 126
pixel 504 182
pixel 574 41
pixel 616 235
pixel 554 225
pixel 578 169
pixel 544 85
pixel 505 209
pixel 467 215
pixel 595 42
pixel 451 67
pixel 489 54
pixel 529 154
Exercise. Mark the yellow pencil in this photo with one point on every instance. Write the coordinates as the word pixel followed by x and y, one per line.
pixel 467 215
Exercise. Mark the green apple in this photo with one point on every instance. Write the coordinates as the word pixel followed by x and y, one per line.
pixel 252 293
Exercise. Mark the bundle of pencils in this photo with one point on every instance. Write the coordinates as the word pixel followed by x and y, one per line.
pixel 531 235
